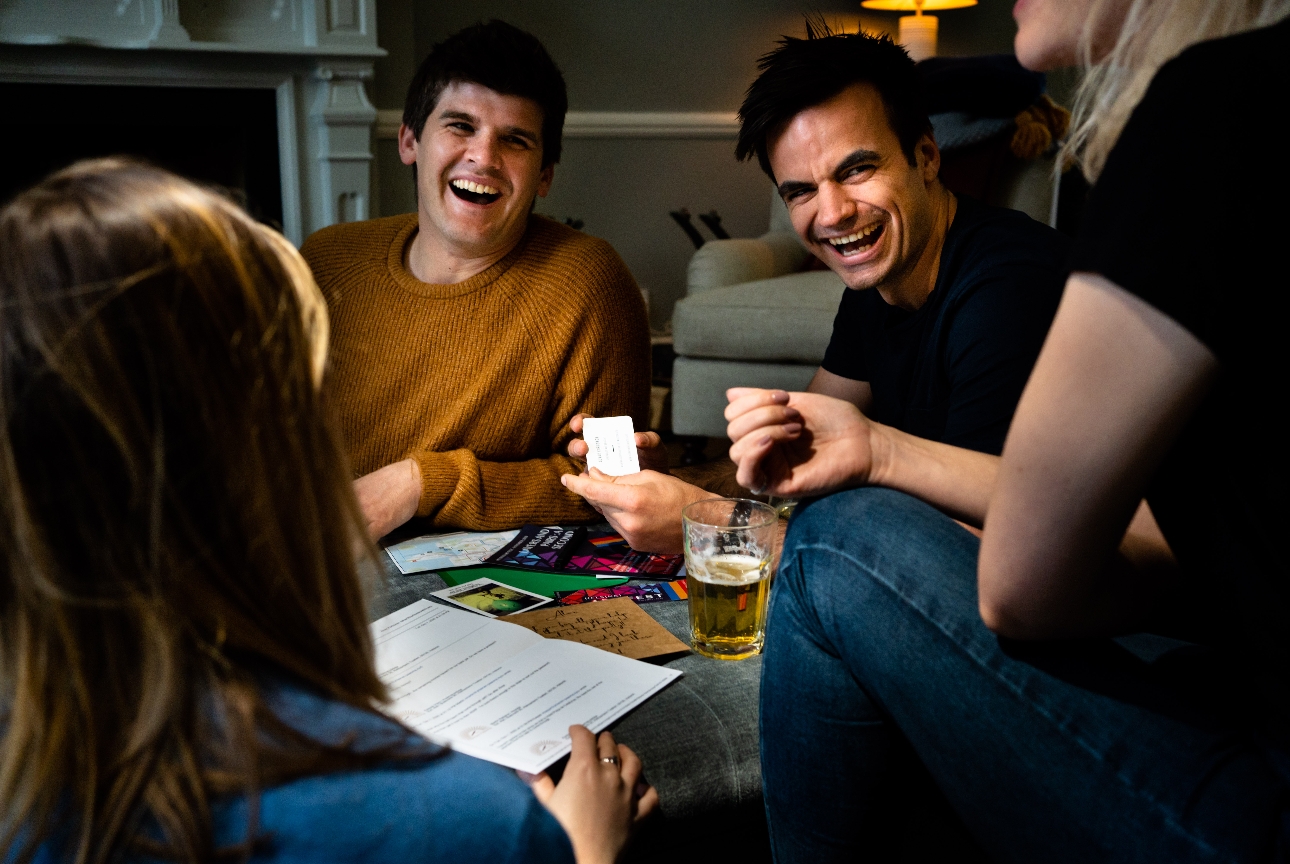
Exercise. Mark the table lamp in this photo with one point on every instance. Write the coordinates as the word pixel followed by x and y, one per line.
pixel 917 31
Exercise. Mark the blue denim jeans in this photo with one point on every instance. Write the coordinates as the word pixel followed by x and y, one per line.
pixel 877 660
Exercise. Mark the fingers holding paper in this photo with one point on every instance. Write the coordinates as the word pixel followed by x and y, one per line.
pixel 796 444
pixel 650 452
pixel 644 507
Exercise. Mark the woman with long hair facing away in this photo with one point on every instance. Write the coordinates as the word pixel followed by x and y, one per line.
pixel 1105 674
pixel 186 670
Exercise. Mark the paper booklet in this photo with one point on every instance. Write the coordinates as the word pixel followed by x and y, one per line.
pixel 446 551
pixel 499 691
pixel 597 550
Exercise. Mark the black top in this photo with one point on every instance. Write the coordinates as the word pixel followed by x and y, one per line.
pixel 954 370
pixel 1190 215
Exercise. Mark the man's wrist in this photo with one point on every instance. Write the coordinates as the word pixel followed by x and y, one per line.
pixel 414 487
pixel 884 454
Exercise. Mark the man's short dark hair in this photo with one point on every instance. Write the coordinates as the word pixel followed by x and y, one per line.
pixel 500 57
pixel 803 73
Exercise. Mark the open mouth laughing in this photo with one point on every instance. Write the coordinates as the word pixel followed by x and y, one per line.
pixel 475 193
pixel 857 242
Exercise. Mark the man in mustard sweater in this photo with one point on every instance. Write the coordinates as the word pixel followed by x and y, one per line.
pixel 467 335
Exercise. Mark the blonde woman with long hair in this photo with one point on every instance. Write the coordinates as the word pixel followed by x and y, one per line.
pixel 1105 674
pixel 185 662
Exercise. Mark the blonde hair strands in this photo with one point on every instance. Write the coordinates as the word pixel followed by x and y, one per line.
pixel 178 516
pixel 1119 65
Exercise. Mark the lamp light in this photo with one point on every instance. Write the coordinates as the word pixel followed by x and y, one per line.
pixel 917 31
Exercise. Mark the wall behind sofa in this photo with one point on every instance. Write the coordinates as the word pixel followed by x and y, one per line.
pixel 656 56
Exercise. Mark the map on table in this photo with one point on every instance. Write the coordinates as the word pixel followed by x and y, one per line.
pixel 443 551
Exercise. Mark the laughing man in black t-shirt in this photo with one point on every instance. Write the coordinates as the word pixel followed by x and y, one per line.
pixel 950 300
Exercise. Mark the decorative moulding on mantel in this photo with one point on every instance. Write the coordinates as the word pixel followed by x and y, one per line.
pixel 315 54
pixel 312 27
pixel 617 124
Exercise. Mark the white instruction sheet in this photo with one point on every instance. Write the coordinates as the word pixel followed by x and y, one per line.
pixel 499 691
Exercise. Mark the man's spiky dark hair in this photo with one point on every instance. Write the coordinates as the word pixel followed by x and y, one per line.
pixel 802 73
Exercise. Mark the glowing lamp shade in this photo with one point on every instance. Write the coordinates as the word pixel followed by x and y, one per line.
pixel 917 31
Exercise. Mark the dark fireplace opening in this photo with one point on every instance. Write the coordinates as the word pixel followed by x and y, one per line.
pixel 222 137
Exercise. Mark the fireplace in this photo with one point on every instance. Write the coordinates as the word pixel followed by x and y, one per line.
pixel 227 138
pixel 264 98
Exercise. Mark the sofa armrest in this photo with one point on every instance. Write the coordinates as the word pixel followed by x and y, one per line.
pixel 719 263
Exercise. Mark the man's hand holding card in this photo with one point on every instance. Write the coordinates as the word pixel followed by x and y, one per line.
pixel 650 452
pixel 643 505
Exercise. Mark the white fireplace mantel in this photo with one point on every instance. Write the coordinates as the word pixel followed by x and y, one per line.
pixel 315 54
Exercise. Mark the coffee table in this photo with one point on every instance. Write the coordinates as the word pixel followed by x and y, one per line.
pixel 697 738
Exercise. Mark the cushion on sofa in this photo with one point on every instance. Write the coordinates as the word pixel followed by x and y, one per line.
pixel 699 389
pixel 788 318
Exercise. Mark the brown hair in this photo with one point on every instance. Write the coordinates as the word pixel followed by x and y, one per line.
pixel 178 515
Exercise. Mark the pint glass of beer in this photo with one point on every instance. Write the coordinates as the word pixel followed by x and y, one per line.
pixel 729 545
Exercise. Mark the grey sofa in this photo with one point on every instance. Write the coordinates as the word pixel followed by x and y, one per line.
pixel 751 318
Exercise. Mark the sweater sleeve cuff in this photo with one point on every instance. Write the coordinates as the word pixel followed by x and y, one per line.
pixel 439 476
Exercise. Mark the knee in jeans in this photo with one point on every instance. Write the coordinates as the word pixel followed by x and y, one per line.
pixel 871 515
pixel 869 525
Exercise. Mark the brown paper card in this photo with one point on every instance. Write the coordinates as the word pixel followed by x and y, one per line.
pixel 617 626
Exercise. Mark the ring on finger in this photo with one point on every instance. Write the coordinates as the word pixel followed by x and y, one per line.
pixel 609 760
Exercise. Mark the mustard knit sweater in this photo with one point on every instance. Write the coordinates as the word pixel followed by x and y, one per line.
pixel 478 380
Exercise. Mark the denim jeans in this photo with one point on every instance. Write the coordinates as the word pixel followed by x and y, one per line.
pixel 876 658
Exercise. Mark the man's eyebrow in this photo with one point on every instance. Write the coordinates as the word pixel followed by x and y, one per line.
pixel 856 157
pixel 459 115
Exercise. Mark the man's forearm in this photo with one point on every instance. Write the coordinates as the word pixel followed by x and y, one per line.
pixel 952 479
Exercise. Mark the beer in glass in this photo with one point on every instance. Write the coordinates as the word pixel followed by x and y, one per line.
pixel 729 546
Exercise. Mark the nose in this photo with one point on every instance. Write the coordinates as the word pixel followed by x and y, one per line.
pixel 835 207
pixel 484 151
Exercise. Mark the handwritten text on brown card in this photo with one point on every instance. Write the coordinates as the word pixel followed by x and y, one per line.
pixel 618 626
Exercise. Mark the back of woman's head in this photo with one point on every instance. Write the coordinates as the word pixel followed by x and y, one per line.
pixel 176 512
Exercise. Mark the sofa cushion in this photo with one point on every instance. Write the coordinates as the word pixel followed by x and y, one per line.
pixel 729 262
pixel 788 318
pixel 699 389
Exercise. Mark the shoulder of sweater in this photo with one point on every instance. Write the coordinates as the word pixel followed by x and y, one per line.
pixel 560 261
pixel 339 246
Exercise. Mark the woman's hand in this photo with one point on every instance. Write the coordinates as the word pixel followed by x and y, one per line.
pixel 598 803
pixel 797 444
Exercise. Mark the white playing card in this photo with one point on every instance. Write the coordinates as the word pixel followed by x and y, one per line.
pixel 611 445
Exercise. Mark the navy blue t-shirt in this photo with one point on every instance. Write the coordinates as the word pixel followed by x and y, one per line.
pixel 953 370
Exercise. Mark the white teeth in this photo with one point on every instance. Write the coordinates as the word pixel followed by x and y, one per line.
pixel 851 238
pixel 477 188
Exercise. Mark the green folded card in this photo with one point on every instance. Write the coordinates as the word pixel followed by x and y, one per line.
pixel 536 581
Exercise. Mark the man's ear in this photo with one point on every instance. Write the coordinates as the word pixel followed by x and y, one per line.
pixel 407 145
pixel 928 156
pixel 544 180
